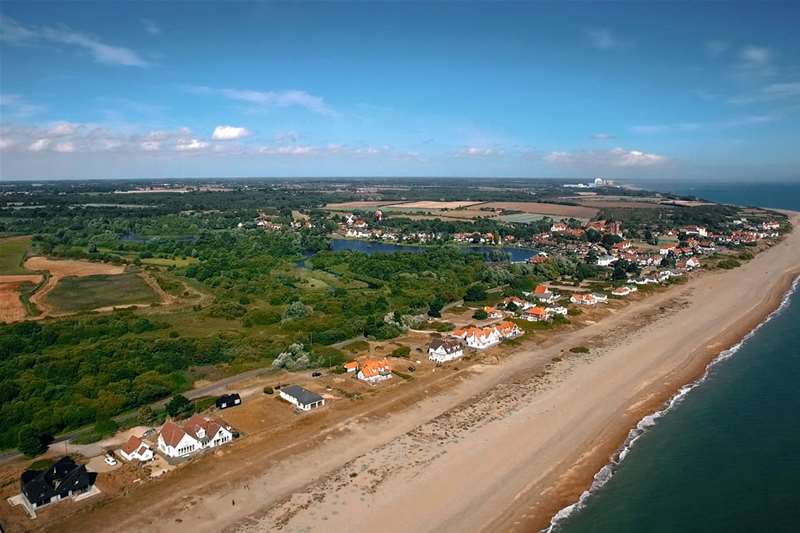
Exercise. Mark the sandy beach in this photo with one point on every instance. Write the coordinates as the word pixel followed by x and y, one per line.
pixel 500 450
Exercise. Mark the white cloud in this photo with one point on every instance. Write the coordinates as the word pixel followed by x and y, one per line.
pixel 479 151
pixel 616 157
pixel 604 39
pixel 775 91
pixel 17 105
pixel 229 133
pixel 65 147
pixel 716 48
pixel 289 98
pixel 39 145
pixel 190 145
pixel 150 146
pixel 5 143
pixel 678 127
pixel 757 56
pixel 602 136
pixel 151 27
pixel 60 129
pixel 15 33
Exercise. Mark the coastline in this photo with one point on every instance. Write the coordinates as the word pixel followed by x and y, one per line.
pixel 653 410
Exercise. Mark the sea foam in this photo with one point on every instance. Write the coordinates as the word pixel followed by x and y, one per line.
pixel 607 472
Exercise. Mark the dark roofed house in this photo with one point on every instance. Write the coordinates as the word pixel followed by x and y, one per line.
pixel 443 350
pixel 302 398
pixel 228 400
pixel 63 479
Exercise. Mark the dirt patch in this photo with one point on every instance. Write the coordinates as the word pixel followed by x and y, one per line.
pixel 431 204
pixel 11 307
pixel 63 268
pixel 541 208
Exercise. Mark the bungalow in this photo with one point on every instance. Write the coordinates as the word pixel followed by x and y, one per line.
pixel 545 295
pixel 444 350
pixel 688 264
pixel 535 314
pixel 301 398
pixel 492 312
pixel 623 291
pixel 374 371
pixel 63 479
pixel 351 366
pixel 557 310
pixel 583 299
pixel 228 400
pixel 195 434
pixel 507 330
pixel 136 450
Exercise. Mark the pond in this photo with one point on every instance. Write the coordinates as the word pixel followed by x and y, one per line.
pixel 372 247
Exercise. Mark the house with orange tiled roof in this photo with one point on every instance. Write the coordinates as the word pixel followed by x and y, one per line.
pixel 196 434
pixel 351 366
pixel 544 294
pixel 136 450
pixel 508 330
pixel 492 312
pixel 478 338
pixel 517 301
pixel 374 370
pixel 583 299
pixel 535 314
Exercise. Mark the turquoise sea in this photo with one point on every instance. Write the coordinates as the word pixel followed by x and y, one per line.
pixel 725 457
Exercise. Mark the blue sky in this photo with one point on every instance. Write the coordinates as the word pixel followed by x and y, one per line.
pixel 635 90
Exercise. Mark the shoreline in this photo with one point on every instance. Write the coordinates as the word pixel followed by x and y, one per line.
pixel 648 420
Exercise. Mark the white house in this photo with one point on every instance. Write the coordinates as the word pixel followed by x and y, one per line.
pixel 444 350
pixel 583 299
pixel 136 450
pixel 556 310
pixel 623 291
pixel 600 298
pixel 301 398
pixel 197 433
pixel 545 295
pixel 374 370
pixel 478 338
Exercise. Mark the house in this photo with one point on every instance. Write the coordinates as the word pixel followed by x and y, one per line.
pixel 301 398
pixel 228 400
pixel 600 298
pixel 378 215
pixel 444 350
pixel 688 264
pixel 623 291
pixel 583 299
pixel 558 227
pixel 478 338
pixel 605 260
pixel 621 246
pixel 535 314
pixel 492 312
pixel 545 295
pixel 517 301
pixel 136 450
pixel 538 259
pixel 196 434
pixel 351 366
pixel 557 310
pixel 695 230
pixel 63 479
pixel 374 370
pixel 507 330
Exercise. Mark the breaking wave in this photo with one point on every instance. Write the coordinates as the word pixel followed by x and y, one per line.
pixel 607 472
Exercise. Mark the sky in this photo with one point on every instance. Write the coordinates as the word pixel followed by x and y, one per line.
pixel 217 89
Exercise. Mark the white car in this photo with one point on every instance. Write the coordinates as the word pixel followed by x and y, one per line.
pixel 110 460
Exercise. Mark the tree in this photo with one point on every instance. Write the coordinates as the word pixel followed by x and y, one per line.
pixel 480 314
pixel 295 310
pixel 145 415
pixel 30 442
pixel 435 307
pixel 475 293
pixel 180 407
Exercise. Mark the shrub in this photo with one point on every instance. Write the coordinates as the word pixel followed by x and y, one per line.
pixel 729 263
pixel 268 390
pixel 402 351
pixel 180 407
pixel 579 349
pixel 30 442
pixel 105 426
pixel 475 293
pixel 480 314
pixel 574 311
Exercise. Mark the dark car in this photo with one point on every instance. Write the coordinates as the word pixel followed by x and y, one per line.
pixel 412 369
pixel 316 374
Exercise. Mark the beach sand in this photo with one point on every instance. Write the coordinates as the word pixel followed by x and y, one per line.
pixel 502 450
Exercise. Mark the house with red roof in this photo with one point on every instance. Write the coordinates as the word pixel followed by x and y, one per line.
pixel 136 450
pixel 196 434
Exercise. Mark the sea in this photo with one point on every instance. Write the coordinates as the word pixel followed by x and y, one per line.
pixel 724 454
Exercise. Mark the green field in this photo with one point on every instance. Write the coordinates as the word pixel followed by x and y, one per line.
pixel 76 294
pixel 177 262
pixel 12 254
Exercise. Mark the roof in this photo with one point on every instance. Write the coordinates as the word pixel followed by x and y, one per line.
pixel 132 445
pixel 172 433
pixel 302 395
pixel 65 475
pixel 541 289
pixel 446 345
pixel 351 364
pixel 197 422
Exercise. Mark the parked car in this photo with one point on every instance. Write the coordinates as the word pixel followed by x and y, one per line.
pixel 316 374
pixel 109 459
pixel 412 369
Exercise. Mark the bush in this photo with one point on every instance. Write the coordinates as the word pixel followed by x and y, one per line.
pixel 574 311
pixel 402 351
pixel 180 407
pixel 269 390
pixel 105 426
pixel 579 349
pixel 31 443
pixel 729 263
pixel 475 293
pixel 480 314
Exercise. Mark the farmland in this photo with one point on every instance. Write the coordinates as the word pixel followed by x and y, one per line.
pixel 75 294
pixel 12 254
pixel 540 208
